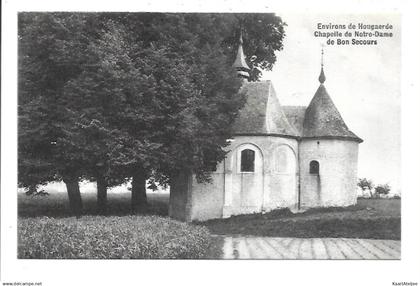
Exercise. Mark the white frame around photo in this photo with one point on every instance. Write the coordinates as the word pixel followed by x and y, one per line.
pixel 217 272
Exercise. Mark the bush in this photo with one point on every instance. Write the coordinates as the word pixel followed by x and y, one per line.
pixel 97 237
pixel 382 189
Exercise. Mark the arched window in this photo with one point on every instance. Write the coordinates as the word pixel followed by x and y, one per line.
pixel 247 160
pixel 314 168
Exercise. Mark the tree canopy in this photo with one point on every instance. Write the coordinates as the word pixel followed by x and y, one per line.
pixel 107 96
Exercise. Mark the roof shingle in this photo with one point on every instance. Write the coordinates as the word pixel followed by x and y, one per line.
pixel 322 118
pixel 262 113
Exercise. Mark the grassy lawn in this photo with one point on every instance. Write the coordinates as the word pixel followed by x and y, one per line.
pixel 96 237
pixel 56 204
pixel 46 230
pixel 370 218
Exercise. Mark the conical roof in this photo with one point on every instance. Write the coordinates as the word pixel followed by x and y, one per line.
pixel 322 118
pixel 240 63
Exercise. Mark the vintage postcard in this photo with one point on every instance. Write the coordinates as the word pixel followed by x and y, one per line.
pixel 144 136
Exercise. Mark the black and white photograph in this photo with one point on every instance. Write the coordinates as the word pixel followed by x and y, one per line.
pixel 154 136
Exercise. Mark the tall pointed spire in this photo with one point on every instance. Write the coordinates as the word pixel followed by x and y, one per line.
pixel 240 64
pixel 322 77
pixel 322 118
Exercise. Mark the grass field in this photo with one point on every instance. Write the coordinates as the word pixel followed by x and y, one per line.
pixel 370 218
pixel 45 226
pixel 56 204
pixel 46 230
pixel 95 237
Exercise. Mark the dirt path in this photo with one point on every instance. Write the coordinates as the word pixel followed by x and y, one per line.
pixel 309 248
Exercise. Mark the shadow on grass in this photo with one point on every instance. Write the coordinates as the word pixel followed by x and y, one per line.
pixel 56 205
pixel 377 219
pixel 380 228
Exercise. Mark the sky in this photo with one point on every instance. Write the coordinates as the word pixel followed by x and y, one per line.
pixel 363 82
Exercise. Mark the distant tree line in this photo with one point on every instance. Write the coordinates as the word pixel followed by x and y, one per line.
pixel 118 97
pixel 374 191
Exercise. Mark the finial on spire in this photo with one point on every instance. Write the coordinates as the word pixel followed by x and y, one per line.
pixel 322 77
pixel 240 64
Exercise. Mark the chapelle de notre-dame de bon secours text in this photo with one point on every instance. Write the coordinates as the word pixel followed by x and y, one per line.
pixel 360 34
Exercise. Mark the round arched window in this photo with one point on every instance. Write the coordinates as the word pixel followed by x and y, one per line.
pixel 314 167
pixel 247 160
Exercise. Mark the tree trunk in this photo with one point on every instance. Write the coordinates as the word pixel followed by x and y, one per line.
pixel 75 199
pixel 138 192
pixel 102 188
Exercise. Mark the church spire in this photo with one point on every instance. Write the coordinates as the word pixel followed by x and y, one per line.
pixel 322 77
pixel 240 64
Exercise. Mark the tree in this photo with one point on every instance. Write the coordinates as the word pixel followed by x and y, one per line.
pixel 263 34
pixel 366 184
pixel 157 105
pixel 206 44
pixel 382 189
pixel 111 96
pixel 50 55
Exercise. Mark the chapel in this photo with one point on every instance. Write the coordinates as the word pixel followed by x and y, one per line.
pixel 295 157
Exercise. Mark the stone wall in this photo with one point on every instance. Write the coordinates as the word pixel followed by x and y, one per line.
pixel 335 185
pixel 207 198
pixel 273 184
pixel 275 180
